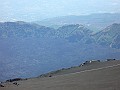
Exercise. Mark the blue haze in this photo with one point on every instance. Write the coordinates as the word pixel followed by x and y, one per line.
pixel 32 10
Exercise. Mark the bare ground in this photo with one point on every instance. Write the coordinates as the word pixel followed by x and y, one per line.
pixel 99 76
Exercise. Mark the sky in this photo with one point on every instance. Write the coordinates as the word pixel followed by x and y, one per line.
pixel 35 10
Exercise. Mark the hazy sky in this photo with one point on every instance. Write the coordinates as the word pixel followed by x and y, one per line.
pixel 32 10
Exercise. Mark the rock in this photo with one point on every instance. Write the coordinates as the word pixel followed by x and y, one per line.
pixel 2 85
pixel 15 83
pixel 111 59
pixel 12 80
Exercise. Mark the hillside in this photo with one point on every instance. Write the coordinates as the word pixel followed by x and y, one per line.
pixel 102 76
pixel 75 33
pixel 81 68
pixel 110 36
pixel 23 30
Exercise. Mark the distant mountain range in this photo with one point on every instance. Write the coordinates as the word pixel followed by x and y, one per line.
pixel 95 22
pixel 28 50
pixel 109 36
pixel 73 33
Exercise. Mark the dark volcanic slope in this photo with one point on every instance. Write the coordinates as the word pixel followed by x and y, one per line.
pixel 104 78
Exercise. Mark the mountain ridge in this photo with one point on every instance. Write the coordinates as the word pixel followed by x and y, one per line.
pixel 27 48
pixel 96 21
pixel 109 35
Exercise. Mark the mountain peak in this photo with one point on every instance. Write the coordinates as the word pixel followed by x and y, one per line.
pixel 109 36
pixel 114 27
